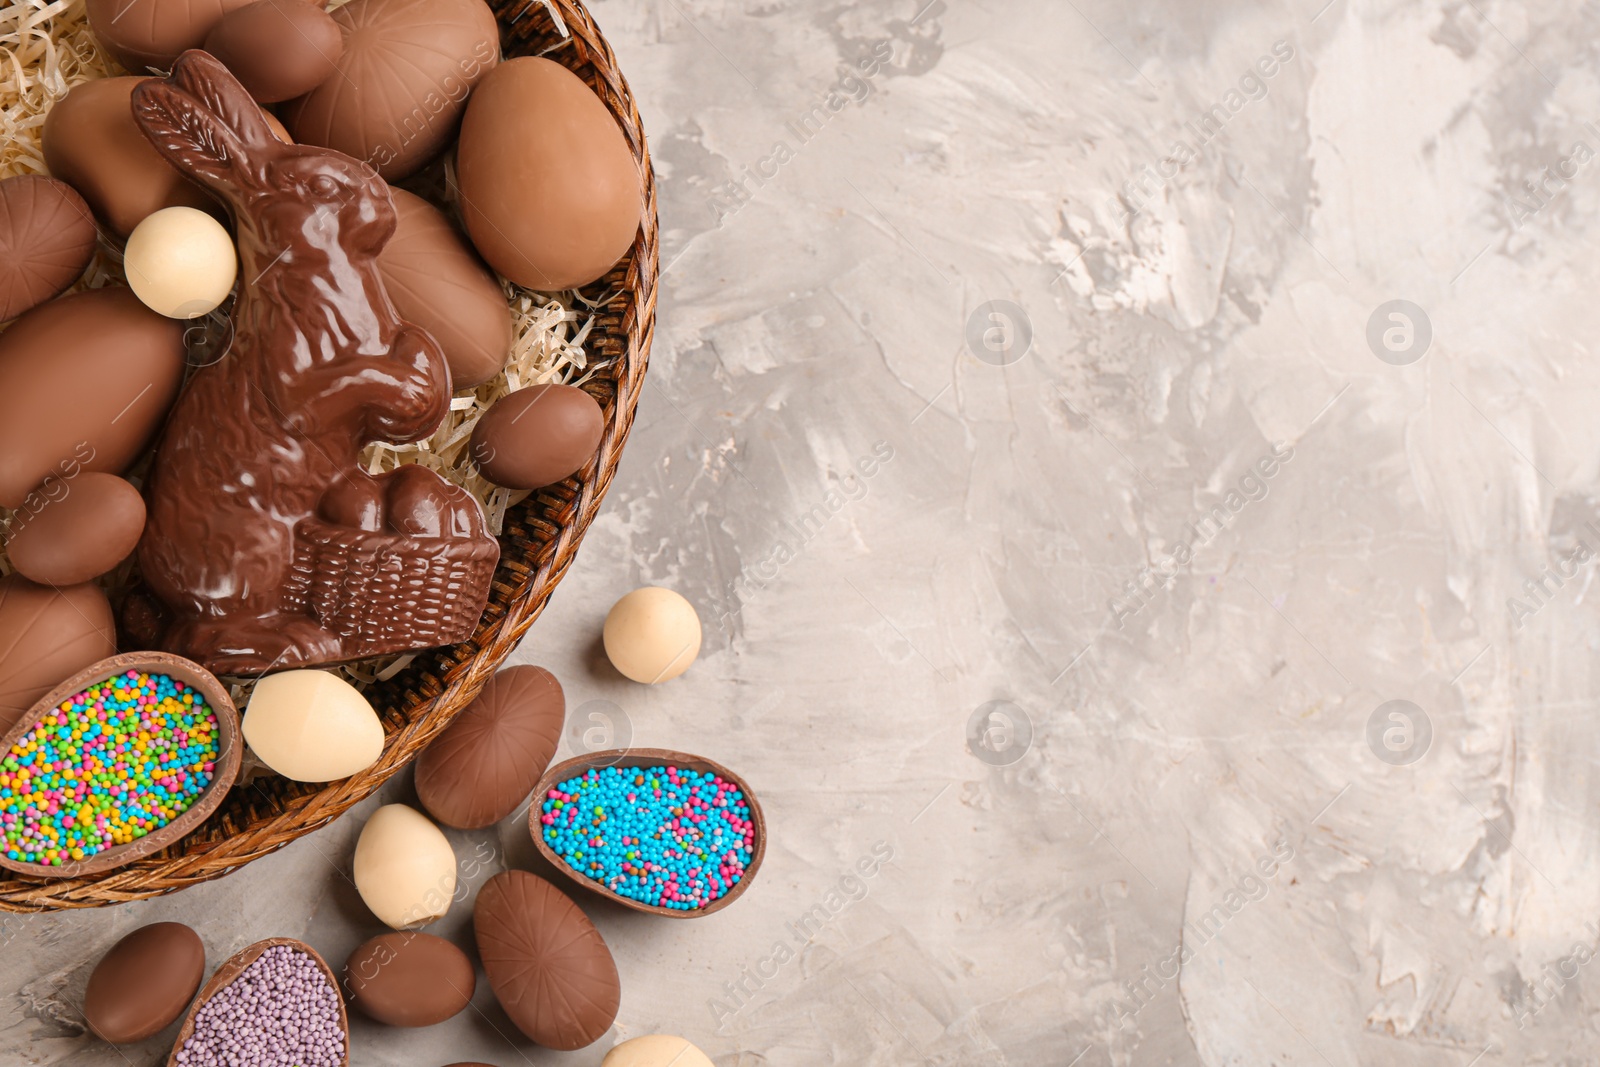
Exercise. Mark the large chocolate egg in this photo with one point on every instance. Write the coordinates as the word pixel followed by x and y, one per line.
pixel 278 49
pixel 437 281
pixel 46 240
pixel 491 756
pixel 537 436
pixel 85 382
pixel 46 636
pixel 396 98
pixel 549 188
pixel 547 964
pixel 92 144
pixel 143 984
pixel 83 529
pixel 409 979
pixel 141 34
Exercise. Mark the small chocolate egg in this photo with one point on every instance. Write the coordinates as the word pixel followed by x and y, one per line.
pixel 46 636
pixel 354 500
pixel 652 635
pixel 537 436
pixel 46 240
pixel 118 361
pixel 437 281
pixel 490 757
pixel 181 262
pixel 548 966
pixel 550 190
pixel 143 984
pixel 79 533
pixel 311 726
pixel 91 143
pixel 404 867
pixel 140 34
pixel 278 49
pixel 396 97
pixel 409 979
pixel 656 1050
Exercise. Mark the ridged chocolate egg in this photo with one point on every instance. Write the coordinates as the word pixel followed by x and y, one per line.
pixel 396 98
pixel 490 757
pixel 46 240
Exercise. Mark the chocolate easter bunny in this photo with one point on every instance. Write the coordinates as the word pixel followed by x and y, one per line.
pixel 267 543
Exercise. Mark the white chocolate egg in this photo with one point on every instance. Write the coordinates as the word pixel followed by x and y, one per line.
pixel 656 1050
pixel 312 726
pixel 652 635
pixel 180 262
pixel 405 870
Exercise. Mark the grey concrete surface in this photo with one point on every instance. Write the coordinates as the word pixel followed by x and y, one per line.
pixel 1200 500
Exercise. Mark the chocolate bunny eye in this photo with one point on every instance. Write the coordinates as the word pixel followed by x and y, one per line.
pixel 325 185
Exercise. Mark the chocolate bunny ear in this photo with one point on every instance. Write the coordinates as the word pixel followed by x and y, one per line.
pixel 203 76
pixel 204 123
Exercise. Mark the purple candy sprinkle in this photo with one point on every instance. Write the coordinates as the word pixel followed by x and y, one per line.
pixel 280 1012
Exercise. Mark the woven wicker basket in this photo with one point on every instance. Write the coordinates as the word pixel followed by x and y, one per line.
pixel 541 537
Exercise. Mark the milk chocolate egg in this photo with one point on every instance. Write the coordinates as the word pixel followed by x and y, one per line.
pixel 437 281
pixel 143 984
pixel 141 34
pixel 46 636
pixel 490 757
pixel 404 867
pixel 549 188
pixel 537 436
pixel 92 524
pixel 396 97
pixel 91 143
pixel 85 381
pixel 278 49
pixel 409 979
pixel 548 966
pixel 46 240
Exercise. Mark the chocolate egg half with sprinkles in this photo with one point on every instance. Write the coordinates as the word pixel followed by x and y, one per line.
pixel 115 763
pixel 597 818
pixel 278 997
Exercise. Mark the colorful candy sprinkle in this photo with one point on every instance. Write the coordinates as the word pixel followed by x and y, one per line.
pixel 666 836
pixel 111 764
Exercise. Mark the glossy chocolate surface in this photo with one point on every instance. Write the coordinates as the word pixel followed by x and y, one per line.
pixel 143 984
pixel 320 366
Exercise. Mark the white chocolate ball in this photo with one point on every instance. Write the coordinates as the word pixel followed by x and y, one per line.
pixel 311 726
pixel 656 1050
pixel 180 262
pixel 405 870
pixel 652 635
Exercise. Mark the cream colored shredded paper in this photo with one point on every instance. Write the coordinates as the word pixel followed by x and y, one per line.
pixel 46 48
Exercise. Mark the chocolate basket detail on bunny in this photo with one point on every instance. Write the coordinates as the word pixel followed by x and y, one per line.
pixel 266 541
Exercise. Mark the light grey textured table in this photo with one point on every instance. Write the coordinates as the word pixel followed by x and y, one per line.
pixel 1218 511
